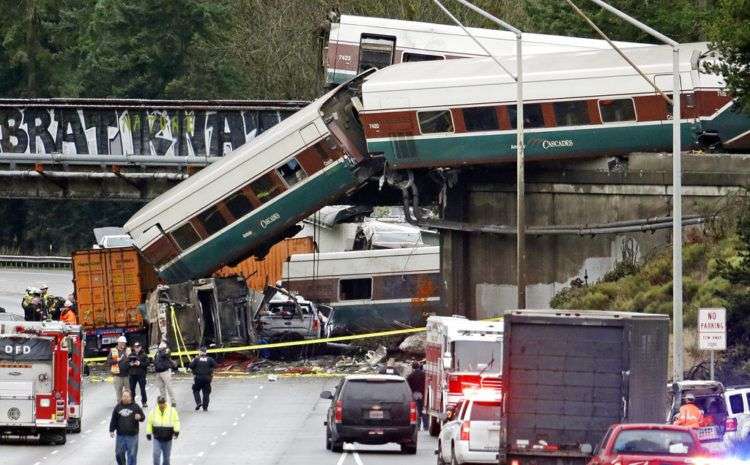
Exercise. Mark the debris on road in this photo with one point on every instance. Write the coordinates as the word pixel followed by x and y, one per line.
pixel 376 356
pixel 414 344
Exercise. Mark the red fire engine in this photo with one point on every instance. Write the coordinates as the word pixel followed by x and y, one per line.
pixel 461 355
pixel 41 368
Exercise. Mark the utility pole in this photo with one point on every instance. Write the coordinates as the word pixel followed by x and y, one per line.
pixel 677 320
pixel 520 175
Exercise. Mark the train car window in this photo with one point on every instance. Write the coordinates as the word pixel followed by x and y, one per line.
pixel 267 187
pixel 480 119
pixel 376 52
pixel 185 236
pixel 238 205
pixel 291 172
pixel 435 121
pixel 355 289
pixel 161 251
pixel 572 113
pixel 617 110
pixel 532 116
pixel 410 56
pixel 212 220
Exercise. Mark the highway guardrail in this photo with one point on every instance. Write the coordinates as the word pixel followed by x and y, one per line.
pixel 34 261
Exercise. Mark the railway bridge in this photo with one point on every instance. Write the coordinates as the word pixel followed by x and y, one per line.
pixel 120 149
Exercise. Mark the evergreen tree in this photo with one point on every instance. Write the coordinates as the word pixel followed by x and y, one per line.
pixel 155 49
pixel 730 33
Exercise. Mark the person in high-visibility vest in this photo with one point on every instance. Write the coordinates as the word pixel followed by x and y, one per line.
pixel 68 316
pixel 164 425
pixel 690 415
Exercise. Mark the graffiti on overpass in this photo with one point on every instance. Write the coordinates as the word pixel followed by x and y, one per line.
pixel 179 133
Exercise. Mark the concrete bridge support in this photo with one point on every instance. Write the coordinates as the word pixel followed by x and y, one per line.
pixel 479 268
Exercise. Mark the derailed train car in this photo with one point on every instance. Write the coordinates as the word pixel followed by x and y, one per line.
pixel 243 204
pixel 428 115
pixel 591 103
pixel 358 43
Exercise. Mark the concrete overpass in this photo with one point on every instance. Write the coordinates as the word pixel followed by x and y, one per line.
pixel 123 149
pixel 478 230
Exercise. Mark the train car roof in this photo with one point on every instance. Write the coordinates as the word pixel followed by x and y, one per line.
pixel 217 169
pixel 428 75
pixel 398 25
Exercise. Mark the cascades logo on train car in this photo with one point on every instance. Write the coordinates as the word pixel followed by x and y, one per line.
pixel 546 144
pixel 264 223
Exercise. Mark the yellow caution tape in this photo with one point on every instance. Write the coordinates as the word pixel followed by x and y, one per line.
pixel 279 345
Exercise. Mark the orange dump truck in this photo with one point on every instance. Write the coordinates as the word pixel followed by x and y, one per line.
pixel 110 286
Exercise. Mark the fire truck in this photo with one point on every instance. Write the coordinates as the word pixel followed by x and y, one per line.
pixel 462 355
pixel 41 367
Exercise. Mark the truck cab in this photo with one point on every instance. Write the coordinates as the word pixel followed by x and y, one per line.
pixel 462 355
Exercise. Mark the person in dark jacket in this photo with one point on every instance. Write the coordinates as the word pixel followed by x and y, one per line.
pixel 138 364
pixel 164 366
pixel 416 383
pixel 202 367
pixel 125 418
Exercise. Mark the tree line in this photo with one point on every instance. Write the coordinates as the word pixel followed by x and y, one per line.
pixel 260 49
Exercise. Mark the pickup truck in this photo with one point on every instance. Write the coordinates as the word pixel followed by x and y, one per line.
pixel 284 316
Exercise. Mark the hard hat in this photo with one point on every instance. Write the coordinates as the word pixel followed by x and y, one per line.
pixel 689 397
pixel 162 345
pixel 43 287
pixel 122 339
pixel 29 289
pixel 68 304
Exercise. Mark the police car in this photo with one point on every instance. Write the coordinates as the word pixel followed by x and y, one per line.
pixel 472 433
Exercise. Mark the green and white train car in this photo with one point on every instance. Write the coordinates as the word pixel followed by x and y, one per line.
pixel 577 104
pixel 255 196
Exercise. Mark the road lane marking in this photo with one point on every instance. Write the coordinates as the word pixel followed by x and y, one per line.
pixel 37 463
pixel 243 415
pixel 357 458
pixel 87 431
pixel 200 454
pixel 234 424
pixel 342 458
pixel 54 452
pixel 224 433
pixel 256 396
pixel 213 443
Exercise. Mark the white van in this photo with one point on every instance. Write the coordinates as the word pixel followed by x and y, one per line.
pixel 738 410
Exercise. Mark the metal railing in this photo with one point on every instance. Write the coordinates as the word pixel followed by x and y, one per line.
pixel 34 261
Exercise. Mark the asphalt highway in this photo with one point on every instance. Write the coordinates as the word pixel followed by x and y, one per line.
pixel 250 421
pixel 13 283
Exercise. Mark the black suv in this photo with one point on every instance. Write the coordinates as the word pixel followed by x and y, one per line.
pixel 371 409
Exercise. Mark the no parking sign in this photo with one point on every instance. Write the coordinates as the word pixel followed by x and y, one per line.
pixel 712 329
